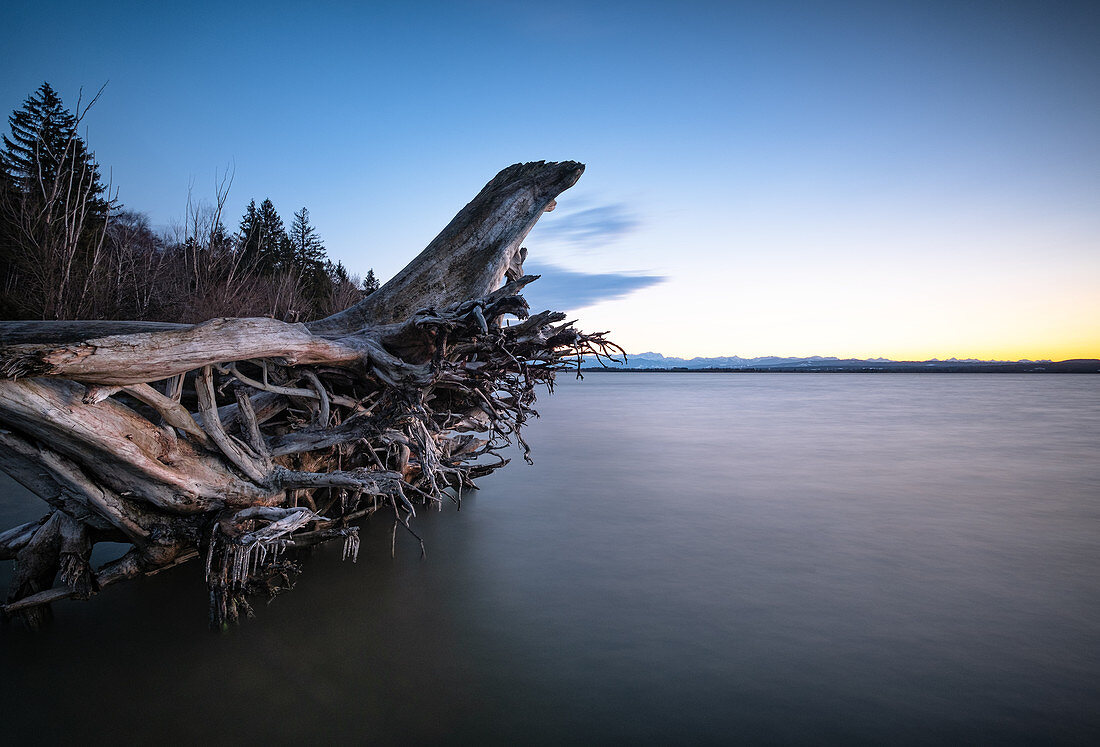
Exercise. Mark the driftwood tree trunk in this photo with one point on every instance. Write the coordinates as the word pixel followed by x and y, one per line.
pixel 240 441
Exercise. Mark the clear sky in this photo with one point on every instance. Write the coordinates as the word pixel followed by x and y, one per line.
pixel 896 179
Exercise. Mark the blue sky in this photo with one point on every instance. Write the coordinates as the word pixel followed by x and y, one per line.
pixel 792 178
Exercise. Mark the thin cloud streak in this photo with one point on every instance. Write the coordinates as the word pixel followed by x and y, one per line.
pixel 593 226
pixel 569 290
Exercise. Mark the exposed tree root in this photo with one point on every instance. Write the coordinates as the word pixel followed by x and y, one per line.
pixel 242 441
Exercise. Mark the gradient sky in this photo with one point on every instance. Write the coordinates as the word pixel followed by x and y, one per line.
pixel 896 179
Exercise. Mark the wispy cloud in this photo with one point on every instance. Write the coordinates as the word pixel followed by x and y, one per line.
pixel 592 226
pixel 566 290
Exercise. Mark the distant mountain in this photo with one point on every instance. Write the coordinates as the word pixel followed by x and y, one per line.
pixel 656 362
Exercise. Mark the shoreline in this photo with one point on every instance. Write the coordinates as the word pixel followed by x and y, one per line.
pixel 1085 366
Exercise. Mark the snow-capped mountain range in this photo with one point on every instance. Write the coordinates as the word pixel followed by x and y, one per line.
pixel 657 361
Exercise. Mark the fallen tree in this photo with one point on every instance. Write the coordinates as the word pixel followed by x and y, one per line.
pixel 242 441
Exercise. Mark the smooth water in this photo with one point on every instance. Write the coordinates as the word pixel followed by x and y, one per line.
pixel 762 558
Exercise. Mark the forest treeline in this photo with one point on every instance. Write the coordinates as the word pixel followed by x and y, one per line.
pixel 70 250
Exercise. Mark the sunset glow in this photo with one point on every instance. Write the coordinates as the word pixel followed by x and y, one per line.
pixel 905 180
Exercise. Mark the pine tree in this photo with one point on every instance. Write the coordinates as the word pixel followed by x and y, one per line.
pixel 248 235
pixel 53 209
pixel 337 273
pixel 308 257
pixel 309 251
pixel 44 149
pixel 370 282
pixel 220 241
pixel 273 243
pixel 262 240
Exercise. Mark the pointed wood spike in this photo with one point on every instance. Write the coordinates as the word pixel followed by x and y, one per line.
pixel 469 257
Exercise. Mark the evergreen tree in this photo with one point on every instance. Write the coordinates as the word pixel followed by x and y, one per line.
pixel 308 257
pixel 44 146
pixel 220 240
pixel 337 273
pixel 248 234
pixel 262 240
pixel 370 282
pixel 273 242
pixel 309 251
pixel 53 209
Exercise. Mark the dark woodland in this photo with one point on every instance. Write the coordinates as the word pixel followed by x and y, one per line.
pixel 69 248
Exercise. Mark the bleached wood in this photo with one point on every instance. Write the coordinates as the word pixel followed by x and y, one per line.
pixel 348 415
pixel 151 356
pixel 469 257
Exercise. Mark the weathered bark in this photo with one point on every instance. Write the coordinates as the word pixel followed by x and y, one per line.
pixel 242 439
pixel 60 331
pixel 469 258
pixel 150 356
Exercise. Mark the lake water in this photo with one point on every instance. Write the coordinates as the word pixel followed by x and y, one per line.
pixel 763 558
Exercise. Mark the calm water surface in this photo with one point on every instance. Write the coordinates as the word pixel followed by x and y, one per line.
pixel 765 558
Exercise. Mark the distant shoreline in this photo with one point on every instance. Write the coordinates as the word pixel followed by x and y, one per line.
pixel 1087 366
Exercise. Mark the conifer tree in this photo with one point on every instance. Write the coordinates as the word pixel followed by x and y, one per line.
pixel 308 257
pixel 272 248
pixel 370 282
pixel 53 210
pixel 220 240
pixel 45 147
pixel 337 273
pixel 309 251
pixel 262 240
pixel 248 234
